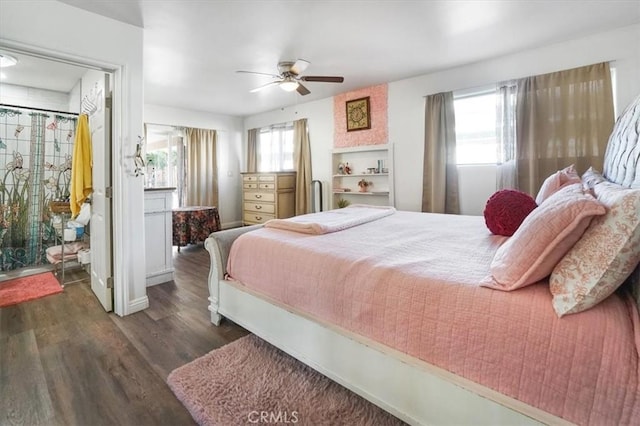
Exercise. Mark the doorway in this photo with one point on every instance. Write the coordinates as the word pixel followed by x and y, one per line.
pixel 53 92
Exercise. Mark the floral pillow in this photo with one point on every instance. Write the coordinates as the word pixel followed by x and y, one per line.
pixel 604 257
pixel 558 180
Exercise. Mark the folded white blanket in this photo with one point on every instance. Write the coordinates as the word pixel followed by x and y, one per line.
pixel 333 220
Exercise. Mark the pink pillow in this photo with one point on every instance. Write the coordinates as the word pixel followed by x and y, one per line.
pixel 543 239
pixel 506 209
pixel 558 180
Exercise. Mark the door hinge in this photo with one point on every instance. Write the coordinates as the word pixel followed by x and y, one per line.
pixel 110 282
pixel 107 102
pixel 108 192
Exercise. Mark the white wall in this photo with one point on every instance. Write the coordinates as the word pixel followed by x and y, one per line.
pixel 406 99
pixel 229 149
pixel 11 94
pixel 59 30
pixel 406 108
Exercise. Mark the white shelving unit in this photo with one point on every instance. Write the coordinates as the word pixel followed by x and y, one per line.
pixel 362 160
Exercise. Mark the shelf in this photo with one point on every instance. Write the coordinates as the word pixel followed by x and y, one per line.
pixel 361 175
pixel 361 148
pixel 361 193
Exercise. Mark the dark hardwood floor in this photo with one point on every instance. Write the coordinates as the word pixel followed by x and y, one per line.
pixel 64 361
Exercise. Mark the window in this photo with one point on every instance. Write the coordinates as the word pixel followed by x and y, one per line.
pixel 165 160
pixel 476 128
pixel 275 148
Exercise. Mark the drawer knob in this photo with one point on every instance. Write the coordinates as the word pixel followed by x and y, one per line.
pixel 258 217
pixel 258 196
pixel 258 207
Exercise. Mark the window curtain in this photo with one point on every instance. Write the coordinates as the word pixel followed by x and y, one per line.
pixel 507 175
pixel 562 118
pixel 202 169
pixel 302 163
pixel 440 175
pixel 252 150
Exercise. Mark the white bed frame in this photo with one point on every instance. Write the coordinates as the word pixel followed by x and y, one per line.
pixel 410 389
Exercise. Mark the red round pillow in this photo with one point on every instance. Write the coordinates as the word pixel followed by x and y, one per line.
pixel 506 209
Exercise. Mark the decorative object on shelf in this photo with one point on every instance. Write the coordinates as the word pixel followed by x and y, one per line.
pixel 347 169
pixel 341 169
pixel 358 114
pixel 364 185
pixel 342 203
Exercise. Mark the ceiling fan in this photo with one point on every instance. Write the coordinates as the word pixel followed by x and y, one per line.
pixel 290 78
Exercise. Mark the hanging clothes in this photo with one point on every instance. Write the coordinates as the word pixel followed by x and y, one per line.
pixel 81 166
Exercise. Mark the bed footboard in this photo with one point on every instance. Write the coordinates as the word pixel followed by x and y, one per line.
pixel 218 244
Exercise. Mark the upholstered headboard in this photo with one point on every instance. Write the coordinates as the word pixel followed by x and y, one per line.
pixel 622 164
pixel 622 158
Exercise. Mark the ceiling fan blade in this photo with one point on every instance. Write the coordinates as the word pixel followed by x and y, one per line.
pixel 322 79
pixel 259 73
pixel 302 90
pixel 257 89
pixel 299 66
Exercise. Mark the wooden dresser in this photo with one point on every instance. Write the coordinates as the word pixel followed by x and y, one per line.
pixel 267 196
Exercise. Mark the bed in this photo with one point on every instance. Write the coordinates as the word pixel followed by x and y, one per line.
pixel 403 322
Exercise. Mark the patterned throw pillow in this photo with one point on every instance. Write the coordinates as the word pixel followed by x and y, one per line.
pixel 604 257
pixel 544 237
pixel 558 180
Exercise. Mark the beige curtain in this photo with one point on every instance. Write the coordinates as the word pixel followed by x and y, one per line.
pixel 202 169
pixel 302 164
pixel 252 150
pixel 440 175
pixel 562 118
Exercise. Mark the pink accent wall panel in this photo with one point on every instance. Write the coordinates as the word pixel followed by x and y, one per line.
pixel 379 131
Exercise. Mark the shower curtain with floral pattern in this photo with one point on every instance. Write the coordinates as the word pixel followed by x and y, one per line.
pixel 35 168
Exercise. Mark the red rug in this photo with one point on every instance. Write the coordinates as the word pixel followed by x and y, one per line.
pixel 249 381
pixel 28 288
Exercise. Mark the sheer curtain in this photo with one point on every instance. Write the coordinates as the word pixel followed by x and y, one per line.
pixel 275 148
pixel 202 169
pixel 562 118
pixel 302 162
pixel 440 173
pixel 507 174
pixel 252 150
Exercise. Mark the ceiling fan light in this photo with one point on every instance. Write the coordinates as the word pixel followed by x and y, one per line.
pixel 289 86
pixel 7 61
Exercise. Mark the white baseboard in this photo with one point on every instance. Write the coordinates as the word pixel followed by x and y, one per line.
pixel 136 305
pixel 159 277
pixel 229 225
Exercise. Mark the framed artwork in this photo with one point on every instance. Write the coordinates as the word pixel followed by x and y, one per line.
pixel 358 114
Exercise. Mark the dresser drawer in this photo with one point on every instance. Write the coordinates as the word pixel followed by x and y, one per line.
pixel 250 178
pixel 250 186
pixel 257 217
pixel 259 196
pixel 260 207
pixel 267 178
pixel 267 185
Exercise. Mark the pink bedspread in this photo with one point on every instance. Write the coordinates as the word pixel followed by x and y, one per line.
pixel 410 281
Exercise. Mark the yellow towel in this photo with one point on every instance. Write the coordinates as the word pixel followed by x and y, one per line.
pixel 81 165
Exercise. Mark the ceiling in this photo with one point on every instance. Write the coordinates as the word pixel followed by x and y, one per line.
pixel 193 48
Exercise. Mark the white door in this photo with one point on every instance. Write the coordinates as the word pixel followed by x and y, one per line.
pixel 96 102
